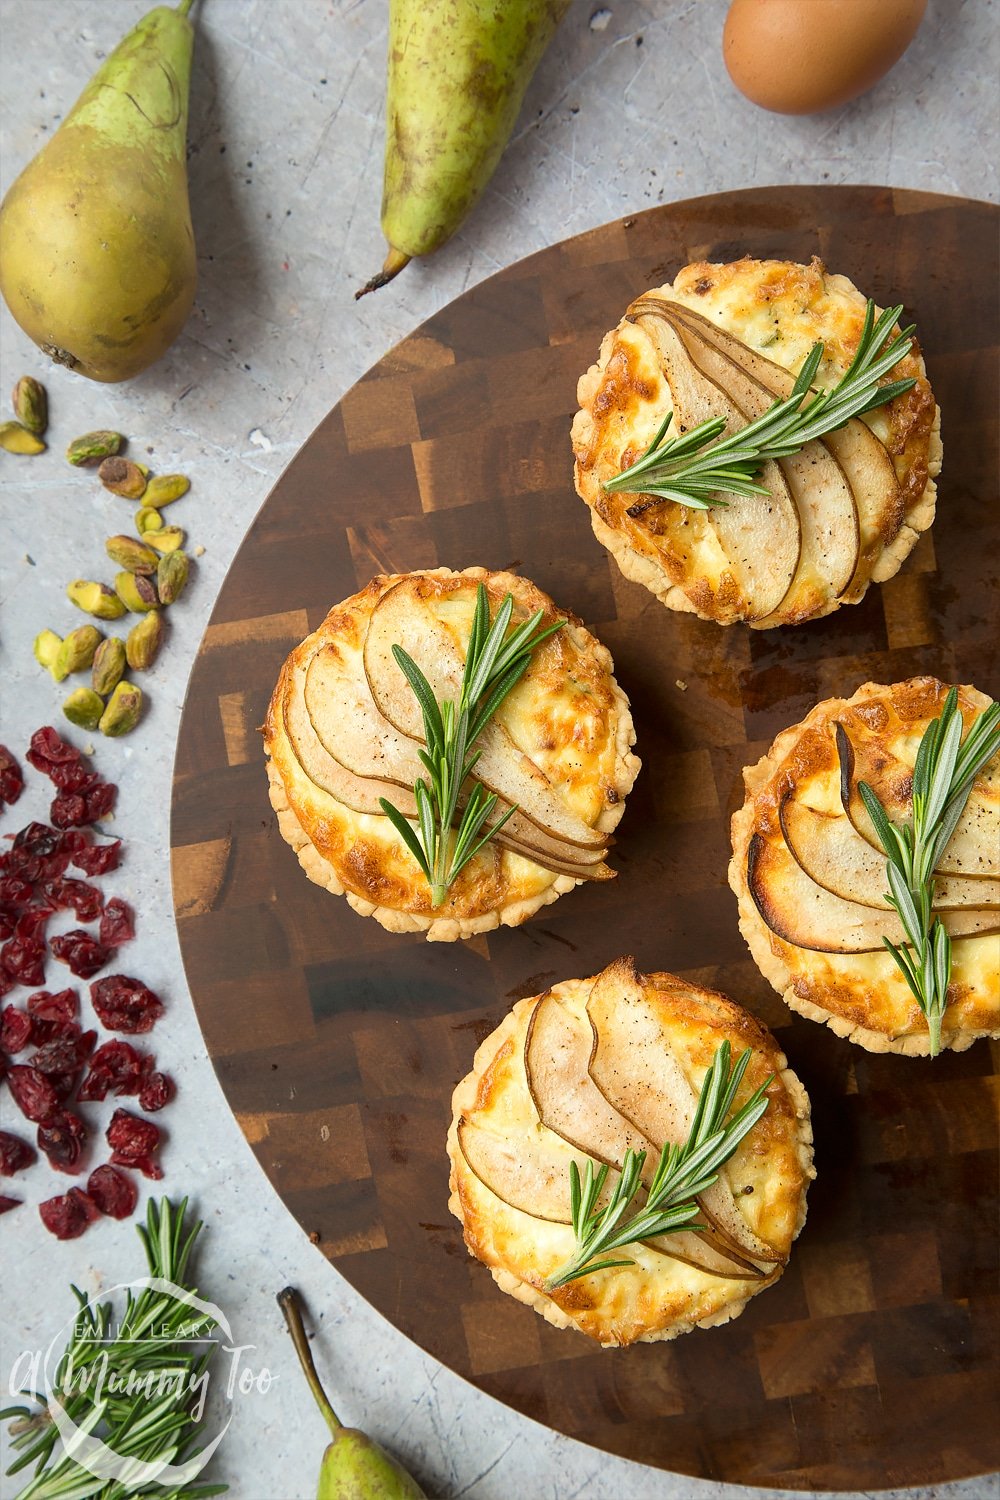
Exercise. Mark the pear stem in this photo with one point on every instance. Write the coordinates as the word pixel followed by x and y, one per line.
pixel 288 1301
pixel 394 263
pixel 184 7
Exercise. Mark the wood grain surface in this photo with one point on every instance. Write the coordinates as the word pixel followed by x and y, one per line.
pixel 874 1361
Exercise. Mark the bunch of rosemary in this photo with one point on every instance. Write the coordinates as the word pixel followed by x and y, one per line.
pixel 150 1350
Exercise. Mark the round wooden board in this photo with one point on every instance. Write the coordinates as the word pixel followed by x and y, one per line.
pixel 872 1363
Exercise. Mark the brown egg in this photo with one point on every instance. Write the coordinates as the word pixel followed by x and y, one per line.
pixel 797 57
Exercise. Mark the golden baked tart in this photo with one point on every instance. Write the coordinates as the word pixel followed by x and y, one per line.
pixel 838 513
pixel 345 730
pixel 591 1075
pixel 810 874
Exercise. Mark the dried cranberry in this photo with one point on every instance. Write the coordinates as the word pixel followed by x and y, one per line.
pixel 73 840
pixel 85 900
pixel 69 810
pixel 157 1091
pixel 68 1215
pixel 33 1093
pixel 83 953
pixel 8 921
pixel 63 1006
pixel 124 1004
pixel 16 1029
pixel 15 891
pixel 72 776
pixel 6 982
pixel 100 801
pixel 49 748
pixel 133 1141
pixel 117 923
pixel 15 1154
pixel 11 778
pixel 116 1066
pixel 37 838
pixel 6 1204
pixel 114 1193
pixel 64 1054
pixel 24 962
pixel 98 859
pixel 31 925
pixel 62 1141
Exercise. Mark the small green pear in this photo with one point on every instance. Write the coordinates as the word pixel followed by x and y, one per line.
pixel 97 257
pixel 354 1467
pixel 457 73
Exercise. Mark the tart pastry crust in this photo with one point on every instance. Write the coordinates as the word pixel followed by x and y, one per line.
pixel 855 526
pixel 838 970
pixel 568 717
pixel 657 1297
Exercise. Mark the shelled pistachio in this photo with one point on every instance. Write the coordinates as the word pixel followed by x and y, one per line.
pixel 143 642
pixel 164 489
pixel 46 649
pixel 167 539
pixel 122 712
pixel 15 438
pixel 31 405
pixel 96 599
pixel 84 707
pixel 109 666
pixel 136 592
pixel 123 477
pixel 147 519
pixel 130 554
pixel 171 576
pixel 93 447
pixel 77 651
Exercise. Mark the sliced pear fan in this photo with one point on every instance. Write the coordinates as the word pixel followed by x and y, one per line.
pixel 527 1170
pixel 557 1051
pixel 832 852
pixel 634 1066
pixel 827 510
pixel 351 732
pixel 862 457
pixel 802 912
pixel 760 534
pixel 404 617
pixel 973 851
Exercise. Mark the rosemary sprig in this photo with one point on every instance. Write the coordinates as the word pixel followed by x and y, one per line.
pixel 693 469
pixel 943 774
pixel 149 1355
pixel 494 664
pixel 683 1172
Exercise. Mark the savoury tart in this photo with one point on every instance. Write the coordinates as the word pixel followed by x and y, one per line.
pixel 726 341
pixel 585 1072
pixel 810 873
pixel 343 731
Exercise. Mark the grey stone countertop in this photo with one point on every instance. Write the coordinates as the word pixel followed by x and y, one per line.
pixel 631 107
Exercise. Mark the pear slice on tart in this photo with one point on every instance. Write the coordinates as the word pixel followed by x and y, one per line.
pixel 833 853
pixel 801 912
pixel 403 617
pixel 635 1067
pixel 825 501
pixel 861 456
pixel 973 851
pixel 759 534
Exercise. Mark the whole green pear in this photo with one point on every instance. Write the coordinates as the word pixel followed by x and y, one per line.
pixel 354 1466
pixel 457 73
pixel 97 256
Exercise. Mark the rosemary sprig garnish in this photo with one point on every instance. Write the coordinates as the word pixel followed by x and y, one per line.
pixel 683 1172
pixel 494 664
pixel 133 1388
pixel 943 774
pixel 694 469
